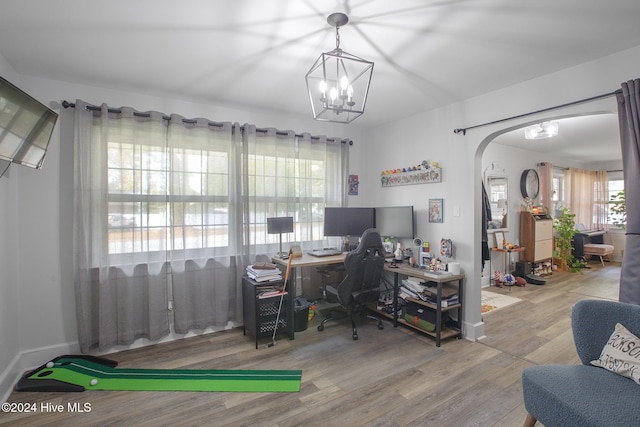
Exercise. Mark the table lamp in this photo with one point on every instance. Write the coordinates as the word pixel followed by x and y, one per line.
pixel 279 225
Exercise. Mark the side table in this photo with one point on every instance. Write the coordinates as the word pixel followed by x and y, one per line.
pixel 507 258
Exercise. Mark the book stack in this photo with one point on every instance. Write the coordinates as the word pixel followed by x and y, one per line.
pixel 449 295
pixel 413 287
pixel 264 272
pixel 446 302
pixel 265 291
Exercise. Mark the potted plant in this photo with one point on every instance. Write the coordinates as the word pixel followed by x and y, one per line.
pixel 565 228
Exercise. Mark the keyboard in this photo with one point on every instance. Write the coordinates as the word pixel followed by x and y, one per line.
pixel 324 252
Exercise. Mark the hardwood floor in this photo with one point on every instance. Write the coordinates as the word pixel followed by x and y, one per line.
pixel 393 377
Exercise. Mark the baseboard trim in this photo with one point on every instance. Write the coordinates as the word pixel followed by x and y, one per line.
pixel 9 377
pixel 28 360
pixel 31 359
pixel 473 331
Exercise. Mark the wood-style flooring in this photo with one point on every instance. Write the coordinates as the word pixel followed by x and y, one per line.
pixel 393 377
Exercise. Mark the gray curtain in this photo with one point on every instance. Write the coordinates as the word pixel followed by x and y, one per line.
pixel 629 118
pixel 172 211
pixel 116 302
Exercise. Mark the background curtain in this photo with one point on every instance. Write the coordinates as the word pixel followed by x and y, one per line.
pixel 116 302
pixel 545 172
pixel 586 195
pixel 629 120
pixel 203 250
pixel 285 174
pixel 601 199
pixel 169 212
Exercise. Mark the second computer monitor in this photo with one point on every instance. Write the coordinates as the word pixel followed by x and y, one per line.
pixel 343 222
pixel 395 221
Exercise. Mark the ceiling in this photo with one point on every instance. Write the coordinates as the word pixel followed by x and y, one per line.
pixel 584 139
pixel 253 54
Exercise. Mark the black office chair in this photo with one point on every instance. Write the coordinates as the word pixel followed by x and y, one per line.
pixel 364 270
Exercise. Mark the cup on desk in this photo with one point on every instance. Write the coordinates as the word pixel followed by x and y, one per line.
pixel 454 267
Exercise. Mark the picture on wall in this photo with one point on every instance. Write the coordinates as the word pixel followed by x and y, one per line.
pixel 436 210
pixel 353 185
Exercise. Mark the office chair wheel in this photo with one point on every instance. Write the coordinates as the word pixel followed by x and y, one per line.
pixel 320 327
pixel 354 336
pixel 380 326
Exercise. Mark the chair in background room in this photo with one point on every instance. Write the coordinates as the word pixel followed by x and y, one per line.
pixel 586 395
pixel 361 284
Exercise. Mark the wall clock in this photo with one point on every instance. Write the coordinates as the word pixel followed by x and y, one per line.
pixel 529 183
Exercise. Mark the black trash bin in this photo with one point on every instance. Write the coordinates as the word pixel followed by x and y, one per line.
pixel 301 314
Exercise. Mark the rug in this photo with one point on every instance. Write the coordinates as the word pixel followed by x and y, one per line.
pixel 492 301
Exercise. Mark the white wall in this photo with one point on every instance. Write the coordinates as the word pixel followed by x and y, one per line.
pixel 37 252
pixel 9 327
pixel 430 136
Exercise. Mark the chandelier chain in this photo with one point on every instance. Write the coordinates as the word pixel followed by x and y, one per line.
pixel 337 37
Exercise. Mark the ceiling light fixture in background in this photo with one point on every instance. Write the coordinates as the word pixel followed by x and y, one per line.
pixel 338 82
pixel 541 130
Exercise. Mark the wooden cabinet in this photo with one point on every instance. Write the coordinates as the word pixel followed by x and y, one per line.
pixel 536 235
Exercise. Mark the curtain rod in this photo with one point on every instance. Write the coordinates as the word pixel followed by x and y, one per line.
pixel 544 110
pixel 67 104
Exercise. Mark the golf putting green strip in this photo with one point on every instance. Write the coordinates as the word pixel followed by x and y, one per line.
pixel 97 376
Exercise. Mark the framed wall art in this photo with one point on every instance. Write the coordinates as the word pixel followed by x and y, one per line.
pixel 436 210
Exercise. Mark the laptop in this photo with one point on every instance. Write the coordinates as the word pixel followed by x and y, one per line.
pixel 324 252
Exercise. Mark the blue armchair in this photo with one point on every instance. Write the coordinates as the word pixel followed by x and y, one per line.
pixel 585 395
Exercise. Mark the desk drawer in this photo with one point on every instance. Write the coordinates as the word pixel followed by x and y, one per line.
pixel 544 229
pixel 544 249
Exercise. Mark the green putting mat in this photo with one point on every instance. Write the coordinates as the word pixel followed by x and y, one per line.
pixel 79 373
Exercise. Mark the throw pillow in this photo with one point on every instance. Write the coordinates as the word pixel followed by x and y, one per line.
pixel 621 354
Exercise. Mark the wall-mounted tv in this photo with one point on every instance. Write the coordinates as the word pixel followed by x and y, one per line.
pixel 348 221
pixel 395 221
pixel 26 126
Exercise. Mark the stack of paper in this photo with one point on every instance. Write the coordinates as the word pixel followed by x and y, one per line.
pixel 264 272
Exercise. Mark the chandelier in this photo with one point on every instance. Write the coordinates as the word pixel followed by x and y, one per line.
pixel 541 130
pixel 338 82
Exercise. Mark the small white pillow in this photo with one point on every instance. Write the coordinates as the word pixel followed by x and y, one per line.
pixel 621 354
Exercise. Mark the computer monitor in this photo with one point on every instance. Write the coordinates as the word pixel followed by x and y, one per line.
pixel 395 221
pixel 279 225
pixel 343 222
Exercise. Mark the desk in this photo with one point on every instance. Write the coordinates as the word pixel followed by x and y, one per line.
pixel 582 238
pixel 441 331
pixel 305 260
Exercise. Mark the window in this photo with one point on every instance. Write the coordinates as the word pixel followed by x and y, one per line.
pixel 283 185
pixel 558 193
pixel 144 198
pixel 168 198
pixel 615 186
pixel 165 196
